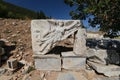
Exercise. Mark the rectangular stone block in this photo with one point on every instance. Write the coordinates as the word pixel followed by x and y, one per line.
pixel 12 64
pixel 80 42
pixel 72 61
pixel 47 62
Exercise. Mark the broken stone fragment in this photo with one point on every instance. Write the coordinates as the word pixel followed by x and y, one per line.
pixel 80 42
pixel 103 56
pixel 99 56
pixel 107 70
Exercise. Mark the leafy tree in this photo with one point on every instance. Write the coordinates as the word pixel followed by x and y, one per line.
pixel 106 13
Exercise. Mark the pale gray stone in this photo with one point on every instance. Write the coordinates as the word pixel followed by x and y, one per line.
pixel 107 70
pixel 46 33
pixel 68 54
pixel 99 56
pixel 66 76
pixel 74 63
pixel 2 71
pixel 90 52
pixel 71 75
pixel 80 42
pixel 106 78
pixel 48 62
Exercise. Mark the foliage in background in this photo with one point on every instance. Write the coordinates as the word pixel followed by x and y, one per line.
pixel 8 10
pixel 106 13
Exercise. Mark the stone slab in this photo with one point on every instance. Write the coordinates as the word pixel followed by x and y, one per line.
pixel 69 54
pixel 71 76
pixel 48 62
pixel 107 70
pixel 46 33
pixel 72 63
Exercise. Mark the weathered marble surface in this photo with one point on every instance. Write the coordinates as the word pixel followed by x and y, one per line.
pixel 72 61
pixel 48 62
pixel 46 33
pixel 80 42
pixel 107 70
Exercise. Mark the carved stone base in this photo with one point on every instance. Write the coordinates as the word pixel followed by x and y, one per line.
pixel 72 62
pixel 48 62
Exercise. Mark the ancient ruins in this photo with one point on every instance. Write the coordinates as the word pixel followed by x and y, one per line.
pixel 47 34
pixel 51 37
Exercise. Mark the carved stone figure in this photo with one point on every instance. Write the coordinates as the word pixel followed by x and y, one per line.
pixel 46 33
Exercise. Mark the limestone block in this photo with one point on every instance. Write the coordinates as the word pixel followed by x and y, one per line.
pixel 46 33
pixel 48 62
pixel 80 42
pixel 107 70
pixel 72 61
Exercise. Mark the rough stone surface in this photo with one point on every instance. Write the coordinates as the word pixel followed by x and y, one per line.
pixel 68 54
pixel 71 76
pixel 67 76
pixel 106 78
pixel 72 62
pixel 48 62
pixel 46 33
pixel 99 56
pixel 2 71
pixel 103 56
pixel 80 42
pixel 107 70
pixel 113 57
pixel 90 52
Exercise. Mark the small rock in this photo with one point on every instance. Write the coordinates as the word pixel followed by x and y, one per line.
pixel 2 71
